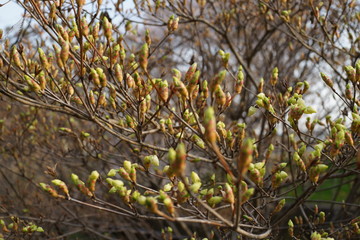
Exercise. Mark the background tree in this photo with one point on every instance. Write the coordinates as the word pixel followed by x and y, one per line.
pixel 200 118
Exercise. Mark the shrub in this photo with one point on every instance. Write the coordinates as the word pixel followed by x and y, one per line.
pixel 181 119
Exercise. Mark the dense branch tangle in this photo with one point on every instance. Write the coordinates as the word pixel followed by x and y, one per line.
pixel 113 75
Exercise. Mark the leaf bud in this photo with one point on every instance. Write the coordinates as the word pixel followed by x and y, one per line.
pixel 327 80
pixel 61 185
pixel 214 200
pixel 92 180
pixel 279 206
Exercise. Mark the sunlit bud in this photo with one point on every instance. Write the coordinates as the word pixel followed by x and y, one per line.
pixel 348 93
pixel 279 206
pixel 65 50
pixel 322 168
pixel 92 98
pixel 84 26
pixel 42 80
pixel 274 76
pixel 181 186
pixel 351 73
pixel 247 195
pixel 151 160
pixel 193 80
pixel 95 31
pixel 195 91
pixel 141 200
pixel 124 174
pixel 220 97
pixel 229 194
pixel 339 139
pixel 92 180
pixel 298 87
pixel 171 155
pixel 315 236
pixel 205 89
pixel 70 90
pixel 80 185
pixel 269 151
pixel 102 77
pixel 181 88
pixel 221 127
pixel 107 28
pixel 291 228
pixel 130 121
pixel 195 187
pixel 348 138
pixel 15 57
pixel 50 190
pixel 308 124
pixel 285 15
pixel 130 81
pixel 210 125
pixel 264 102
pixel 169 124
pixel 315 171
pixel 169 205
pixel 148 37
pixel 357 70
pixel 61 185
pixel 164 90
pixel 1 33
pixel 321 217
pixel 225 58
pixel 252 111
pixel 355 125
pixel 219 78
pixel 102 100
pixel 214 200
pixel 190 73
pixel 356 228
pixel 112 172
pixel 245 156
pixel 43 59
pixel 172 23
pixel 240 80
pixel 162 125
pixel 151 204
pixel 99 2
pixel 228 100
pixel 115 53
pixel 195 177
pixel 299 162
pixel 132 174
pixel 128 26
pixel 327 80
pixel 261 85
pixel 135 195
pixel 148 102
pixel 118 73
pixel 63 34
pixel 180 161
pixel 143 56
pixel 240 130
pixel 255 175
pixel 34 86
pixel 278 178
pixel 306 87
pixel 198 141
pixel 117 184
